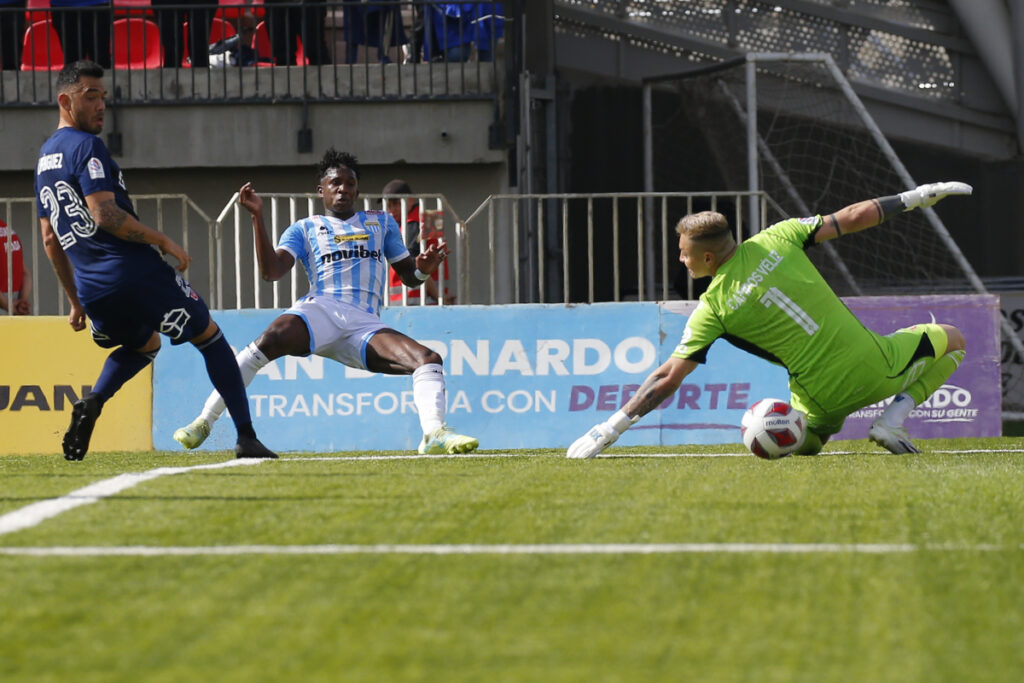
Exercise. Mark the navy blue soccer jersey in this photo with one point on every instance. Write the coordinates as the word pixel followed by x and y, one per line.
pixel 72 165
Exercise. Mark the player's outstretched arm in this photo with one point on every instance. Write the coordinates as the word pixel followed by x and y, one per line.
pixel 274 264
pixel 871 212
pixel 658 386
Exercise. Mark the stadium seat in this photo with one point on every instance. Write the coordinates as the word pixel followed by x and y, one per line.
pixel 233 9
pixel 264 51
pixel 132 8
pixel 36 10
pixel 219 30
pixel 136 44
pixel 41 49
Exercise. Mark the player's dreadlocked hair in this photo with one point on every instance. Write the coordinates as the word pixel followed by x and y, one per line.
pixel 73 72
pixel 335 159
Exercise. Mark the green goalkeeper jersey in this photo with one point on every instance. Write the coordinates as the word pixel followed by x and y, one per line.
pixel 770 300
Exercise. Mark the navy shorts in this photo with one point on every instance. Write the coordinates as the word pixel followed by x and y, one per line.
pixel 163 302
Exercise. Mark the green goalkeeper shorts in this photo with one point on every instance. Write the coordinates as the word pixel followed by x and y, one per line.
pixel 890 365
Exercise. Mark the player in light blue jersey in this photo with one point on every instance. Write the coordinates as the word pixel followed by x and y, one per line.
pixel 346 254
pixel 105 261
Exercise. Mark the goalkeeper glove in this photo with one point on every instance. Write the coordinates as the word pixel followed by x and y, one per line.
pixel 927 195
pixel 600 436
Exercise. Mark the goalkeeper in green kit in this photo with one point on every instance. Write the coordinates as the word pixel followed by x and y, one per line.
pixel 766 297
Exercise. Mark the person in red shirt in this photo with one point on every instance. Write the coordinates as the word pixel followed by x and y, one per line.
pixel 411 236
pixel 21 281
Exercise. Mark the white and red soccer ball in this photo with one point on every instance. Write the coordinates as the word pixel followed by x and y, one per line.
pixel 771 428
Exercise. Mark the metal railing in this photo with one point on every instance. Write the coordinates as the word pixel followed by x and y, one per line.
pixel 174 214
pixel 308 51
pixel 584 248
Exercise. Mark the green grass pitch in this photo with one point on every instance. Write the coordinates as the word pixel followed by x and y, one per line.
pixel 684 564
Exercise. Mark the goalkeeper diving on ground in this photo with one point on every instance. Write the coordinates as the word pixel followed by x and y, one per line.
pixel 767 298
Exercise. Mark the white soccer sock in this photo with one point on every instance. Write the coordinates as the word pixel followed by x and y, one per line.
pixel 429 396
pixel 250 360
pixel 898 410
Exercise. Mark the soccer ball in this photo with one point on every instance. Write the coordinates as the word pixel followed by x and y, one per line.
pixel 771 428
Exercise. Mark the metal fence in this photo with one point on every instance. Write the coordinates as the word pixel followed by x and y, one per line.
pixel 315 51
pixel 584 248
pixel 174 214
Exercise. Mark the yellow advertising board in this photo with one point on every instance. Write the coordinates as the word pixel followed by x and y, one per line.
pixel 44 367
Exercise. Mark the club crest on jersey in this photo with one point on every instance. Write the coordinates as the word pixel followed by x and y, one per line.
pixel 96 169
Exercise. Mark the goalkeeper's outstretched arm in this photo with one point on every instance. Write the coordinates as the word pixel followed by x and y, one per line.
pixel 871 212
pixel 658 386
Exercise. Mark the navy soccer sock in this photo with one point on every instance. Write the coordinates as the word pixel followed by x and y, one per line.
pixel 121 365
pixel 222 368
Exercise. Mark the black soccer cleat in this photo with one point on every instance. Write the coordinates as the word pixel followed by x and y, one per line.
pixel 83 418
pixel 250 447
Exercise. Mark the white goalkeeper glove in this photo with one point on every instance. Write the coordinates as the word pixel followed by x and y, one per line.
pixel 593 442
pixel 927 195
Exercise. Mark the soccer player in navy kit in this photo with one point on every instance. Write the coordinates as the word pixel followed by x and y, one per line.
pixel 102 256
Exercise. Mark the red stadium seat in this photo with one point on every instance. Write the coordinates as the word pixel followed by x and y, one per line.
pixel 136 44
pixel 132 8
pixel 264 52
pixel 219 30
pixel 41 49
pixel 36 10
pixel 233 9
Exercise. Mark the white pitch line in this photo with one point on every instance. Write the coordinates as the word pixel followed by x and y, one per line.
pixel 33 514
pixel 502 549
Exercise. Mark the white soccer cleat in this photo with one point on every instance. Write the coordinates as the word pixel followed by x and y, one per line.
pixel 194 434
pixel 593 442
pixel 893 439
pixel 443 440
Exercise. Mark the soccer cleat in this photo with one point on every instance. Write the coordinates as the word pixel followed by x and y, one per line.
pixel 593 442
pixel 251 447
pixel 83 418
pixel 193 435
pixel 893 439
pixel 444 440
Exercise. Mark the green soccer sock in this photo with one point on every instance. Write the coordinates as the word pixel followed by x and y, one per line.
pixel 936 375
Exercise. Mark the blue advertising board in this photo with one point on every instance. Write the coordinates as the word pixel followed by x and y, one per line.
pixel 524 376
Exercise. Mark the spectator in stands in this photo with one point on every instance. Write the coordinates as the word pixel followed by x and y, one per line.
pixel 237 50
pixel 12 32
pixel 20 293
pixel 345 253
pixel 766 297
pixel 84 29
pixel 104 260
pixel 288 20
pixel 372 25
pixel 172 30
pixel 453 29
pixel 411 235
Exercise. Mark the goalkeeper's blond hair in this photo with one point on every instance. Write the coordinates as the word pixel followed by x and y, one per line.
pixel 709 228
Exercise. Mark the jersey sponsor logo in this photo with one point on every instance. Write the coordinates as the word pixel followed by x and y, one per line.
pixel 338 239
pixel 343 254
pixel 50 162
pixel 767 265
pixel 96 169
